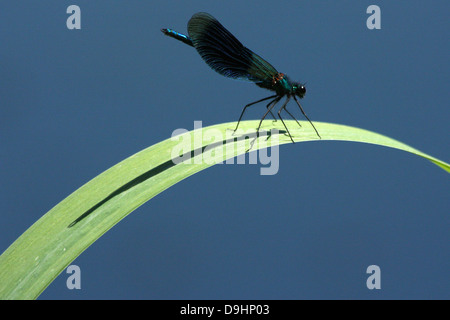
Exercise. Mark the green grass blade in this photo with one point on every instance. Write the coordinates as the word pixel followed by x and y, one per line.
pixel 36 258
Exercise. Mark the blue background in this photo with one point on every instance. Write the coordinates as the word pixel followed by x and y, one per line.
pixel 76 102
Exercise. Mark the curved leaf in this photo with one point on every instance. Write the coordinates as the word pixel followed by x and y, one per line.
pixel 36 258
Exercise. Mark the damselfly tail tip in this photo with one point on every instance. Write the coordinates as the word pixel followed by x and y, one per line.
pixel 164 31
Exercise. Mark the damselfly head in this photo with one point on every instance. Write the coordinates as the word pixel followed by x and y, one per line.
pixel 299 90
